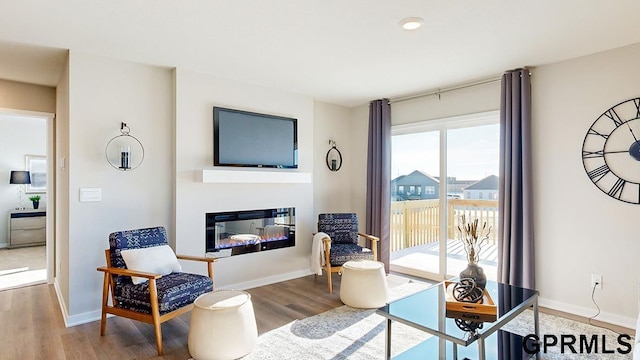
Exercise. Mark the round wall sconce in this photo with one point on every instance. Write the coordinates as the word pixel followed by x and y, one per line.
pixel 124 152
pixel 334 157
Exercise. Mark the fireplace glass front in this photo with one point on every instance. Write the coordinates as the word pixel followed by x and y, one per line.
pixel 241 232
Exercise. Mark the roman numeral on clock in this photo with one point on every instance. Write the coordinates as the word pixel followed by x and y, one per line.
pixel 596 174
pixel 613 115
pixel 616 190
pixel 592 154
pixel 593 132
pixel 637 104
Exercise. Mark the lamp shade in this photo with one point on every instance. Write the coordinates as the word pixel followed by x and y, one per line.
pixel 20 177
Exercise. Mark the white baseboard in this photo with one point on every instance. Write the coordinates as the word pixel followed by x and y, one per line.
pixel 74 320
pixel 96 315
pixel 607 317
pixel 267 280
pixel 61 303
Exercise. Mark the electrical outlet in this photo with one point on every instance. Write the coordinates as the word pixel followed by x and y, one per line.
pixel 596 281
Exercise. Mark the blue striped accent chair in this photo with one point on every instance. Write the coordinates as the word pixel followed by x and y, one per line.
pixel 342 244
pixel 156 300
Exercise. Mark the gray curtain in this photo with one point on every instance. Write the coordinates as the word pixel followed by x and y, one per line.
pixel 515 241
pixel 379 176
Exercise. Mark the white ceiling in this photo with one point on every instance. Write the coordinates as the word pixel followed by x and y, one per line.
pixel 345 52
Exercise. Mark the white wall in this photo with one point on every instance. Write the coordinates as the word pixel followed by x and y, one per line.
pixel 471 100
pixel 579 230
pixel 62 194
pixel 358 146
pixel 332 189
pixel 103 93
pixel 19 136
pixel 196 94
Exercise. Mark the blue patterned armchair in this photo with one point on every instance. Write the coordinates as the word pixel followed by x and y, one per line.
pixel 158 297
pixel 342 244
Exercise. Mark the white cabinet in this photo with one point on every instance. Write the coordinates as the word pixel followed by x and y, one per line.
pixel 27 228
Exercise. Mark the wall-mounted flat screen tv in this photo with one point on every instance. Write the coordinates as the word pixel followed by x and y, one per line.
pixel 242 138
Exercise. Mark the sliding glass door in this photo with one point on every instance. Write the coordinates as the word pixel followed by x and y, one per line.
pixel 442 170
pixel 415 203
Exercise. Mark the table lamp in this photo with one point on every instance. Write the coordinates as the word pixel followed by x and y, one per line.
pixel 20 178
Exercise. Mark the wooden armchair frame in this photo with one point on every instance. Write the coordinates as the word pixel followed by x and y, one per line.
pixel 326 243
pixel 154 317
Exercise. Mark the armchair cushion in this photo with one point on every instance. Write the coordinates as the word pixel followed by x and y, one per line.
pixel 341 253
pixel 156 259
pixel 341 227
pixel 175 290
pixel 133 239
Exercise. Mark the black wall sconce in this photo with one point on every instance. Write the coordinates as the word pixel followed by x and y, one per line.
pixel 334 157
pixel 124 152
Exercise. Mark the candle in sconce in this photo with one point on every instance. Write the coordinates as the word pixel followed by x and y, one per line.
pixel 125 153
pixel 334 164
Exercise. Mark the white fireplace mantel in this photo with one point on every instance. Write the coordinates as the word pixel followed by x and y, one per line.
pixel 257 176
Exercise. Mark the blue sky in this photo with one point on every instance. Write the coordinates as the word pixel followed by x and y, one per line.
pixel 473 153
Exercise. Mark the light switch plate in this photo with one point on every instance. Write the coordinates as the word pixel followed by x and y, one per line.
pixel 90 194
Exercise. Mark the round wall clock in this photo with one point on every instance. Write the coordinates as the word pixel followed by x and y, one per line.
pixel 611 151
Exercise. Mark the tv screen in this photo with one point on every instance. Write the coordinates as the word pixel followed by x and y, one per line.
pixel 243 138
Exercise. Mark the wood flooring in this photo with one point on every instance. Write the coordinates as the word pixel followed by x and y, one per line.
pixel 32 325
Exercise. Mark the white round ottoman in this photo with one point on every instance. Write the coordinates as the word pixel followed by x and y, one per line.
pixel 223 326
pixel 363 284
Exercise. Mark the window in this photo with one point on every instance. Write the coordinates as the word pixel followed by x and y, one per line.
pixel 400 189
pixel 457 153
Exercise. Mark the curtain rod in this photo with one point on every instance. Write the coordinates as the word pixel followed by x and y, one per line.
pixel 447 89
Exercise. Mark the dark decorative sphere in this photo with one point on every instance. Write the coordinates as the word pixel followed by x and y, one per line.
pixel 466 290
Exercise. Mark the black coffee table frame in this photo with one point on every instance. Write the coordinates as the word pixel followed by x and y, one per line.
pixel 426 311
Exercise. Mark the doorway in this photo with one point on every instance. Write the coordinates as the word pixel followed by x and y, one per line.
pixel 26 233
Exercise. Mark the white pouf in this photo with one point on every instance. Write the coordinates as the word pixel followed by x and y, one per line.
pixel 223 326
pixel 363 284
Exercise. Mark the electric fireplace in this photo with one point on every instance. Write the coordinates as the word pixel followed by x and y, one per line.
pixel 241 232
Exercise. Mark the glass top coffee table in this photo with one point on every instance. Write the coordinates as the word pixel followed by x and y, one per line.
pixel 426 311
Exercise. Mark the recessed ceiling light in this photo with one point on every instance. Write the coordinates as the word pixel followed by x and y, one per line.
pixel 411 23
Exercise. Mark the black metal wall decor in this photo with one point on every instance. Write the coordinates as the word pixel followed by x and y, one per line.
pixel 611 151
pixel 124 152
pixel 334 157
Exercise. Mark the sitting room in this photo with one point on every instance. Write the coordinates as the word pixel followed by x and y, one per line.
pixel 262 145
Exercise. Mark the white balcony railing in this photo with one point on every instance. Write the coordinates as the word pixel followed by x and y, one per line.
pixel 417 222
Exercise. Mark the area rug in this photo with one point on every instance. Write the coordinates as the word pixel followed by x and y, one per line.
pixel 341 333
pixel 350 333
